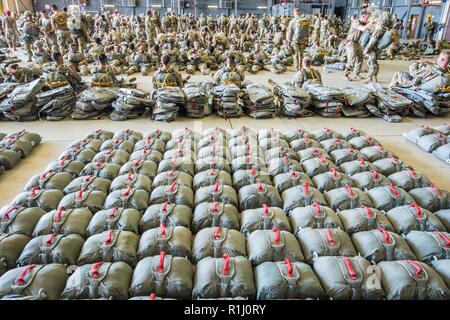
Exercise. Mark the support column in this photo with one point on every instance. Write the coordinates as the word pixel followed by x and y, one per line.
pixel 444 34
pixel 405 24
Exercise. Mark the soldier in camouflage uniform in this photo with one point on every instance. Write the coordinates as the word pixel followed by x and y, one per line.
pixel 17 74
pixel 297 36
pixel 103 75
pixel 78 33
pixel 307 73
pixel 74 57
pixel 140 62
pixel 167 75
pixel 430 27
pixel 41 56
pixel 257 59
pixel 151 27
pixel 57 74
pixel 59 24
pixel 30 34
pixel 48 31
pixel 116 59
pixel 229 74
pixel 10 29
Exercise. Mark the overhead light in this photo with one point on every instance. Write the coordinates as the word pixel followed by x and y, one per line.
pixel 109 5
pixel 156 6
pixel 213 7
pixel 261 8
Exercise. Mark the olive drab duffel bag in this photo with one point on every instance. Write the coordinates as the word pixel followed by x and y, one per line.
pixel 347 198
pixel 93 200
pixel 283 165
pixel 412 217
pixel 74 167
pixel 210 177
pixel 284 181
pixel 110 246
pixel 216 241
pixel 409 180
pixel 374 153
pixel 49 180
pixel 47 281
pixel 90 183
pixel 442 267
pixel 169 214
pixel 128 134
pixel 333 179
pixel 45 199
pixel 174 241
pixel 325 133
pixel 382 245
pixel 168 177
pixel 444 217
pixel 429 246
pixel 369 179
pixel 139 166
pixel 53 248
pixel 273 245
pixel 108 280
pixel 287 280
pixel 255 195
pixel 150 144
pixel 280 153
pixel 348 278
pixel 183 164
pixel 130 180
pixel 119 157
pixel 19 220
pixel 64 221
pixel 357 166
pixel 146 154
pixel 412 280
pixel 87 143
pixel 295 134
pixel 79 154
pixel 164 276
pixel 99 134
pixel 8 158
pixel 311 153
pixel 301 196
pixel 242 178
pixel 247 163
pixel 431 198
pixel 173 193
pixel 212 162
pixel 215 151
pixel 314 216
pixel 215 214
pixel 341 156
pixel 363 219
pixel 127 198
pixel 325 242
pixel 224 277
pixel 362 142
pixel 114 219
pixel 265 218
pixel 315 166
pixel 331 145
pixel 11 246
pixel 390 165
pixel 216 193
pixel 246 150
pixel 118 144
pixel 387 198
pixel 351 133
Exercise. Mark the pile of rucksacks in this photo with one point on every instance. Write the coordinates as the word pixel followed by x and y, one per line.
pixel 56 104
pixel 130 104
pixel 94 103
pixel 435 140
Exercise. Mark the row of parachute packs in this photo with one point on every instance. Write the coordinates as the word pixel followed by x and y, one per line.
pixel 27 102
pixel 16 146
pixel 434 140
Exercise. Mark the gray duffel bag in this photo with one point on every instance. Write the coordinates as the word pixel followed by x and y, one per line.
pixel 174 241
pixel 169 214
pixel 381 245
pixel 128 134
pixel 150 143
pixel 375 153
pixel 348 278
pixel 281 152
pixel 431 198
pixel 301 196
pixel 73 167
pixel 311 153
pixel 325 242
pixel 444 217
pixel 369 179
pixel 19 220
pixel 215 151
pixel 21 147
pixel 224 277
pixel 216 241
pixel 325 133
pixel 331 180
pixel 8 159
pixel 265 218
pixel 314 216
pixel 315 166
pixel 287 280
pixel 139 166
pixel 131 180
pixel 412 280
pixel 283 165
pixel 127 198
pixel 246 150
pixel 429 246
pixel 347 198
pixel 146 155
pixel 173 194
pixel 390 165
pixel 415 134
pixel 351 133
pixel 64 221
pixel 210 177
pixel 255 195
pixel 216 193
pixel 114 219
pixel 163 275
pixel 53 248
pixel 409 180
pixel 178 164
pixel 212 162
pixel 93 200
pixel 285 181
pixel 100 134
pixel 45 199
pixel 215 214
pixel 431 142
pixel 119 157
pixel 273 245
pixel 443 152
pixel 412 217
pixel 11 246
pixel 110 246
pixel 118 144
pixel 363 219
pixel 168 177
pixel 247 163
pixel 331 145
pixel 87 143
pixel 212 140
pixel 242 178
pixel 295 134
pixel 107 280
pixel 341 156
pixel 90 183
pixel 179 153
pixel 387 198
pixel 83 155
pixel 272 142
pixel 47 281
pixel 357 166
pixel 442 267
pixel 49 180
pixel 362 142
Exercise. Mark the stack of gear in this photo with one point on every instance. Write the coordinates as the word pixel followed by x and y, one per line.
pixel 169 100
pixel 228 100
pixel 6 88
pixel 434 140
pixel 356 101
pixel 390 105
pixel 16 146
pixel 437 104
pixel 291 101
pixel 94 103
pixel 20 104
pixel 197 99
pixel 130 104
pixel 259 102
pixel 326 101
pixel 57 103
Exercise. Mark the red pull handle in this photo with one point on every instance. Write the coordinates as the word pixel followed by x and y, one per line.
pixel 33 191
pixel 138 161
pixel 361 161
pixel 109 236
pixel 393 159
pixel 59 214
pixel 350 270
pixel 418 209
pixel 277 235
pixel 163 230
pixel 172 186
pixel 374 174
pixel 444 237
pixel 285 160
pixel 129 176
pixel 322 159
pixel 438 191
pixel 306 186
pixel 127 192
pixel 174 160
pixel 112 213
pixel 349 190
pixel 387 237
pixel 211 172
pixel 215 207
pixel 164 206
pixel 330 239
pixel 411 172
pixel 353 130
pixel 394 190
pixel 260 186
pixel 152 296
pixel 266 209
pixel 317 207
pixel 87 178
pixel 368 211
pixel 226 265
pixel 63 161
pixel 334 172
pixel 21 278
pixel 6 216
pixel 162 256
pixel 379 147
pixel 216 186
pixel 80 194
pixel 253 171
pixel 49 240
pixel 217 233
pixel 417 266
pixel 289 265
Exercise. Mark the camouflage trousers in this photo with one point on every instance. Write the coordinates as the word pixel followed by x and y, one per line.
pixel 11 40
pixel 372 63
pixel 63 39
pixel 354 58
pixel 80 42
pixel 28 43
pixel 299 49
pixel 51 42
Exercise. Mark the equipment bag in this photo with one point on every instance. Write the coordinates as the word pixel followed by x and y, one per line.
pixel 8 159
pixel 314 216
pixel 11 246
pixel 387 198
pixel 246 150
pixel 93 200
pixel 131 180
pixel 331 145
pixel 164 276
pixel 211 163
pixel 224 277
pixel 87 143
pixel 315 166
pixel 304 143
pixel 110 246
pixel 265 218
pixel 333 179
pixel 119 157
pixel 295 134
pixel 174 241
pixel 301 196
pixel 411 280
pixel 217 241
pixel 429 246
pixel 64 221
pixel 273 245
pixel 382 245
pixel 53 248
pixel 173 193
pixel 243 178
pixel 255 195
pixel 311 153
pixel 83 155
pixel 151 144
pixel 169 214
pixel 215 214
pixel 139 166
pixel 102 135
pixel 325 242
pixel 45 199
pixel 442 267
pixel 340 156
pixel 108 280
pixel 90 183
pixel 287 280
pixel 363 219
pixel 127 198
pixel 247 163
pixel 114 219
pixel 73 167
pixel 128 134
pixel 280 153
pixel 216 193
pixel 369 179
pixel 168 177
pixel 415 134
pixel 348 278
pixel 214 151
pixel 19 220
pixel 390 165
pixel 347 198
pixel 118 144
pixel 412 217
pixel 146 154
pixel 285 181
pixel 177 164
pixel 375 153
pixel 431 142
pixel 283 165
pixel 431 198
pixel 351 133
pixel 325 133
pixel 210 177
pixel 444 217
pixel 362 142
pixel 409 180
pixel 49 180
pixel 359 165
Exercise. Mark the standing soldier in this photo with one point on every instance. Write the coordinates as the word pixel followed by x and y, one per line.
pixel 10 29
pixel 150 28
pixel 59 24
pixel 78 33
pixel 297 36
pixel 316 29
pixel 354 52
pixel 49 32
pixel 430 27
pixel 30 33
pixel 223 23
